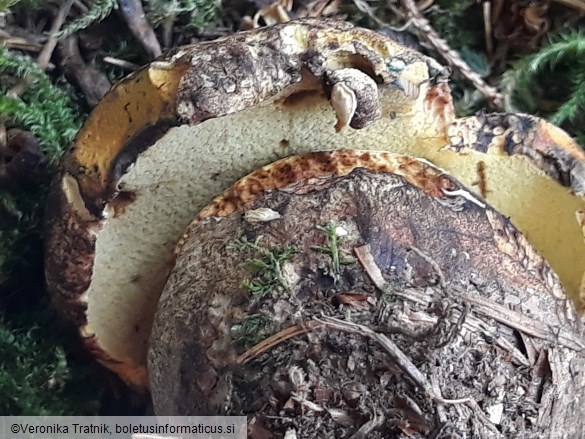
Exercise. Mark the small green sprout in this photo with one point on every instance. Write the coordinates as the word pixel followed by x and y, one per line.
pixel 250 330
pixel 267 269
pixel 334 234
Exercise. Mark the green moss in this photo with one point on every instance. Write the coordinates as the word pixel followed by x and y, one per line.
pixel 551 83
pixel 251 330
pixel 6 5
pixel 36 378
pixel 332 249
pixel 49 112
pixel 201 14
pixel 99 10
pixel 44 109
pixel 457 21
pixel 267 270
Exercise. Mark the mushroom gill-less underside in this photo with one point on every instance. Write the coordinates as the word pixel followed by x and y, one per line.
pixel 367 293
pixel 176 133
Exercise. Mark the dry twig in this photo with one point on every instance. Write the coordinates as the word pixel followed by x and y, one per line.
pixel 92 82
pixel 487 27
pixel 452 57
pixel 122 63
pixel 408 367
pixel 523 323
pixel 47 52
pixel 273 340
pixel 365 257
pixel 135 17
pixel 499 313
pixel 441 413
pixel 20 44
pixel 398 357
pixel 470 322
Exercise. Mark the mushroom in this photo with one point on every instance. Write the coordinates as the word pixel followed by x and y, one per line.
pixel 171 136
pixel 452 307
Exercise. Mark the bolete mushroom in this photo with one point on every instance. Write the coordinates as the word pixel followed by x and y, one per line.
pixel 366 294
pixel 176 133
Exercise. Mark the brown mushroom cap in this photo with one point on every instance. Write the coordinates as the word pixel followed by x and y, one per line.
pixel 173 135
pixel 431 240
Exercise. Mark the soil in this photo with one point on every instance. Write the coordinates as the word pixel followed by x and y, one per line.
pixel 345 385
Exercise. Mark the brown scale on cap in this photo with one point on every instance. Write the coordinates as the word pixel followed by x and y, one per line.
pixel 322 165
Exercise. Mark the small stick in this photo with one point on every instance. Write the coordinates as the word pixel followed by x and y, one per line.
pixel 92 82
pixel 274 340
pixel 3 138
pixel 84 9
pixel 395 353
pixel 135 17
pixel 470 321
pixel 20 44
pixel 440 407
pixel 49 48
pixel 319 8
pixel 365 257
pixel 46 52
pixel 523 323
pixel 451 56
pixel 487 26
pixel 364 7
pixel 474 324
pixel 121 63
